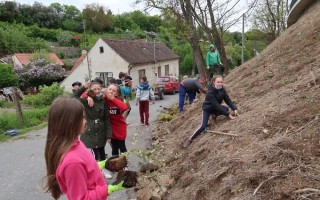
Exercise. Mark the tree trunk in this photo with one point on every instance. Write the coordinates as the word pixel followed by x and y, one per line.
pixel 194 39
pixel 17 104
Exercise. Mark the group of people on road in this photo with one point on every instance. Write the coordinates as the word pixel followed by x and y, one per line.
pixel 79 129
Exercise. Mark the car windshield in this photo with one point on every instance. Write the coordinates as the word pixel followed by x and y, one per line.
pixel 163 79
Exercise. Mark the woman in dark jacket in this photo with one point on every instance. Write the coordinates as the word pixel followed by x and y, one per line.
pixel 212 106
pixel 98 131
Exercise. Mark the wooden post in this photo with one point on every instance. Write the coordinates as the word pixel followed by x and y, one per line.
pixel 17 104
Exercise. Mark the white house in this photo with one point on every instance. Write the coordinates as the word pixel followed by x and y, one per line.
pixel 109 57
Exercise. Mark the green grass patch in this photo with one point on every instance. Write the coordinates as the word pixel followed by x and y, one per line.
pixel 32 118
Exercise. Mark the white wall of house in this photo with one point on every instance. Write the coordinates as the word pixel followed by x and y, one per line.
pixel 151 70
pixel 106 61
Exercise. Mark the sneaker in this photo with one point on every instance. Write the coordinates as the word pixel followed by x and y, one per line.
pixel 126 168
pixel 147 125
pixel 142 124
pixel 106 174
pixel 187 143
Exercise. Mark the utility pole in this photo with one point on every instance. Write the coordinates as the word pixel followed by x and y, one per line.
pixel 242 43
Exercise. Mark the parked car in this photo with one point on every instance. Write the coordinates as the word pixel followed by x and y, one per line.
pixel 170 83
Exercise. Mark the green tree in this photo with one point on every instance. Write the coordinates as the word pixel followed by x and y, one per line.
pixel 97 18
pixel 7 77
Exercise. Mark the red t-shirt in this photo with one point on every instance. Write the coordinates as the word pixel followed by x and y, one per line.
pixel 118 123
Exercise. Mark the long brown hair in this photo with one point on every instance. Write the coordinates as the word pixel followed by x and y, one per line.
pixel 64 126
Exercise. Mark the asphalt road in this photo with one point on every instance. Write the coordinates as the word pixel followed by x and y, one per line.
pixel 22 165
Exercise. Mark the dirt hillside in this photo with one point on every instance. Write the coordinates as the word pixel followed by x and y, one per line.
pixel 277 152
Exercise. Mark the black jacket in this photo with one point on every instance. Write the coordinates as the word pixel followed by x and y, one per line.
pixel 98 128
pixel 214 98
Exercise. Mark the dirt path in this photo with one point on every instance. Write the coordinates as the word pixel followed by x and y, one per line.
pixel 22 163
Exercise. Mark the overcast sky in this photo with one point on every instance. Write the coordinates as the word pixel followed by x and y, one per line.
pixel 120 6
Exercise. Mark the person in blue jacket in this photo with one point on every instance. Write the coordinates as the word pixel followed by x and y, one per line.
pixel 212 106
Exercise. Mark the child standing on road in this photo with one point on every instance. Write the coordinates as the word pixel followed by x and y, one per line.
pixel 71 169
pixel 98 131
pixel 212 106
pixel 118 124
pixel 144 92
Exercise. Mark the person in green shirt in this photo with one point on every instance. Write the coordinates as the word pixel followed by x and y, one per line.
pixel 213 61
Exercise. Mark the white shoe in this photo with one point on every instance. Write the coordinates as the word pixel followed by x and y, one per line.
pixel 106 174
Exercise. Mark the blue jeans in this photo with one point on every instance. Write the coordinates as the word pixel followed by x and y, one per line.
pixel 205 118
pixel 182 96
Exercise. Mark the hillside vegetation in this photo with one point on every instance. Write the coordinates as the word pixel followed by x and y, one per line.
pixel 277 152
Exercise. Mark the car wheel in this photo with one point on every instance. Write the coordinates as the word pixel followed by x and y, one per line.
pixel 174 91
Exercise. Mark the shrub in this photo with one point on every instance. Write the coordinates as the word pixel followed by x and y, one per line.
pixel 45 97
pixel 7 76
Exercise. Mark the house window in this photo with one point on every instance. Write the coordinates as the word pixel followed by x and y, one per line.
pixel 159 71
pixel 101 50
pixel 105 77
pixel 142 72
pixel 166 70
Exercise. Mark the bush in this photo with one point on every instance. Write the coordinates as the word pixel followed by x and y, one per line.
pixel 45 97
pixel 7 78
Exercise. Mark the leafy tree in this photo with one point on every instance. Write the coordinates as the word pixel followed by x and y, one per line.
pixel 7 76
pixel 8 11
pixel 97 18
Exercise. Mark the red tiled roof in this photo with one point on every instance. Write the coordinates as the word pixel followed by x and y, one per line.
pixel 79 61
pixel 141 51
pixel 24 58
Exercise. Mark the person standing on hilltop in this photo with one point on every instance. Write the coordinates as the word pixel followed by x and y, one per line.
pixel 212 106
pixel 213 61
pixel 190 86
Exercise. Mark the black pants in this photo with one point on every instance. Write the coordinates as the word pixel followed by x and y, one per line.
pixel 205 118
pixel 99 153
pixel 214 67
pixel 117 145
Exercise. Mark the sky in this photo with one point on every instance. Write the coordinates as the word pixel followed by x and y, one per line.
pixel 121 6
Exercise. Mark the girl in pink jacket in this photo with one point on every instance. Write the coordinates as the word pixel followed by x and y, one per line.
pixel 71 169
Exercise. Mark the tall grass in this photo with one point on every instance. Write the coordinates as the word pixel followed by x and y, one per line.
pixel 32 117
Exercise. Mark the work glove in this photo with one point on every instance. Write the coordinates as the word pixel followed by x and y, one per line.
pixel 236 113
pixel 102 164
pixel 115 186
